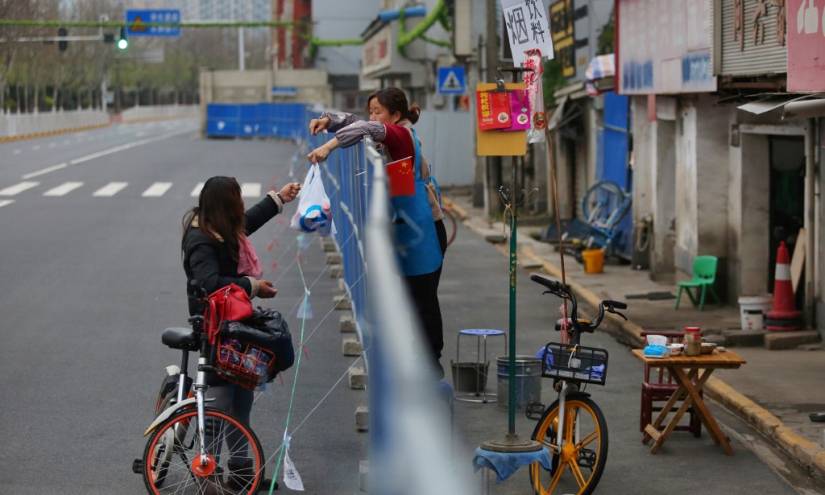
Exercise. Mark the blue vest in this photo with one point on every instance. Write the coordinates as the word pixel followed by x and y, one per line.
pixel 416 242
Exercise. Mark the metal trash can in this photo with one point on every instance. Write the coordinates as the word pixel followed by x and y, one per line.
pixel 527 381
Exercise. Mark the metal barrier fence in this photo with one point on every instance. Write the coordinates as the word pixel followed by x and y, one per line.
pixel 411 448
pixel 281 120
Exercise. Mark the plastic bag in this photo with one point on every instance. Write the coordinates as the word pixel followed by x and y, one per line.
pixel 314 213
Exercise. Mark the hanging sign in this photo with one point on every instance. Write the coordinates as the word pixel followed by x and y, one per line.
pixel 527 28
pixel 503 117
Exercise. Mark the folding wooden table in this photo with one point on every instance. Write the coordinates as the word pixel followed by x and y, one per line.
pixel 691 373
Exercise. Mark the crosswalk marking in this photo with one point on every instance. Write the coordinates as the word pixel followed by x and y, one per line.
pixel 18 188
pixel 4 202
pixel 110 189
pixel 63 189
pixel 251 189
pixel 157 189
pixel 197 190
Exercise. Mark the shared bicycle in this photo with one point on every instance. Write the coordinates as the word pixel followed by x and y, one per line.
pixel 573 427
pixel 193 448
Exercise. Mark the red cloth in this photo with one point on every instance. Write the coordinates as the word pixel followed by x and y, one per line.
pixel 398 141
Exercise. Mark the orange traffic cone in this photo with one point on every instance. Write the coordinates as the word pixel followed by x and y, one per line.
pixel 783 316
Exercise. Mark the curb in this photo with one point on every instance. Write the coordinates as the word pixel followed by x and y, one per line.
pixel 56 132
pixel 803 451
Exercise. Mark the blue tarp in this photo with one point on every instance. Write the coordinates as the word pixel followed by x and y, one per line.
pixel 613 164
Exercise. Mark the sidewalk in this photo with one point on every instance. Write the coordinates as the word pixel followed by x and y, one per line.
pixel 774 392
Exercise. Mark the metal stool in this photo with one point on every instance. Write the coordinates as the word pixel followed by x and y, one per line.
pixel 480 367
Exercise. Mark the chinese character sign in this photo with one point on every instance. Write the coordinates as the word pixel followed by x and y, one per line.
pixel 806 45
pixel 527 28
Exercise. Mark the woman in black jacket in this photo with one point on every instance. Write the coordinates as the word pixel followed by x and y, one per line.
pixel 217 253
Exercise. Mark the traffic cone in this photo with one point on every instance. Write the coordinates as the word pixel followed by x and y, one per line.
pixel 783 316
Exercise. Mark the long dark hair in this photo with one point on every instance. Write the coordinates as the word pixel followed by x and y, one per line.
pixel 394 100
pixel 220 211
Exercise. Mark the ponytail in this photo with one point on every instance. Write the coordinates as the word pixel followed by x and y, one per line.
pixel 413 113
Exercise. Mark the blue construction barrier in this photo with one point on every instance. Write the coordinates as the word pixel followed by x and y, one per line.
pixel 347 181
pixel 248 120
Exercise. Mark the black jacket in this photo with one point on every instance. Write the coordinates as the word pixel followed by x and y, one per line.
pixel 210 262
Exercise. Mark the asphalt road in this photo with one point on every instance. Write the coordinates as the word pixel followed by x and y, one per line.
pixel 91 274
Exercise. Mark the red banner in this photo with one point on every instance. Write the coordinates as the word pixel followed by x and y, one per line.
pixel 806 45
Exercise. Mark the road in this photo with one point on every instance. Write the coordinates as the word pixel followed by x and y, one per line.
pixel 91 274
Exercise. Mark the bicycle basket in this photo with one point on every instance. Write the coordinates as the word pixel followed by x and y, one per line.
pixel 244 364
pixel 575 363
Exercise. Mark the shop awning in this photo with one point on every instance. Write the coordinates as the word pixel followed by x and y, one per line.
pixel 790 106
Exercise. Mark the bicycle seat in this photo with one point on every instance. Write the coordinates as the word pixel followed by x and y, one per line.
pixel 180 338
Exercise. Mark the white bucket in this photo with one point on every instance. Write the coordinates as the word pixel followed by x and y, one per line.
pixel 752 310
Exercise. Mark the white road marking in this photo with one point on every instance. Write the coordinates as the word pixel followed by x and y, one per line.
pixel 52 145
pixel 66 141
pixel 157 189
pixel 46 170
pixel 5 202
pixel 35 147
pixel 197 190
pixel 105 152
pixel 63 189
pixel 251 189
pixel 110 189
pixel 18 188
pixel 17 152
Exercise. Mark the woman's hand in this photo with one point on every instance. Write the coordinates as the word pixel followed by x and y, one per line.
pixel 319 154
pixel 289 192
pixel 266 290
pixel 318 125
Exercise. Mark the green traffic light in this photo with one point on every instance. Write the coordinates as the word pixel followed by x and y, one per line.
pixel 122 44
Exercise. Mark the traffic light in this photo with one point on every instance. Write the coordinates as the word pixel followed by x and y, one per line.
pixel 62 45
pixel 122 41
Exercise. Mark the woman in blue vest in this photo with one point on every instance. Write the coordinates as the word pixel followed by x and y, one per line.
pixel 420 236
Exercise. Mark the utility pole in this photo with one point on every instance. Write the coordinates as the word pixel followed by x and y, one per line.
pixel 492 175
pixel 241 50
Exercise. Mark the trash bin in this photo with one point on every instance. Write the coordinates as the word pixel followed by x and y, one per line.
pixel 593 260
pixel 752 310
pixel 527 381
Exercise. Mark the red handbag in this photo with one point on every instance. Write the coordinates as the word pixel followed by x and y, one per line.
pixel 229 303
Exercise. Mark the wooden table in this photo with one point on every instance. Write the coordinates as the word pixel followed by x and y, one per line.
pixel 691 373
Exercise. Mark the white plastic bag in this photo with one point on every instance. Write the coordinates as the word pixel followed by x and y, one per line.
pixel 314 213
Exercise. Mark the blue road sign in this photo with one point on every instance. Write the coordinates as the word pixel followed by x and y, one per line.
pixel 153 22
pixel 452 81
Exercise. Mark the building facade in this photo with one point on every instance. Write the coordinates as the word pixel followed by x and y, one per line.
pixel 723 167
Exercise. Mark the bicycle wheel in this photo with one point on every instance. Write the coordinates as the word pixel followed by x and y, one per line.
pixel 234 465
pixel 451 225
pixel 583 454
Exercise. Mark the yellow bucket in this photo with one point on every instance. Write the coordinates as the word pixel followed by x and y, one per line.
pixel 593 260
